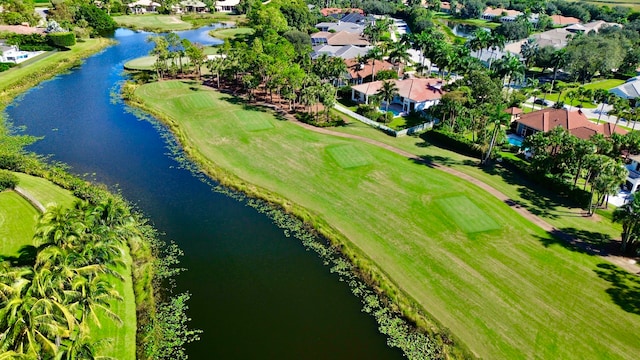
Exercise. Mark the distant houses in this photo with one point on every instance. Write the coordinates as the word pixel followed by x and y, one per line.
pixel 227 6
pixel 501 14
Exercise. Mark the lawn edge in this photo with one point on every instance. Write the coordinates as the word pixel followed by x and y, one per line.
pixel 365 268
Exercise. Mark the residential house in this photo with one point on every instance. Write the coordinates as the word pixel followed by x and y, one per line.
pixel 340 38
pixel 360 71
pixel 499 13
pixel 514 112
pixel 559 20
pixel 574 121
pixel 340 26
pixel 193 6
pixel 11 53
pixel 143 6
pixel 227 6
pixel 414 94
pixel 589 27
pixel 344 52
pixel 21 29
pixel 629 90
pixel 633 179
pixel 338 11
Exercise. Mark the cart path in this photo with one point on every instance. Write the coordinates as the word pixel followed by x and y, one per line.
pixel 626 263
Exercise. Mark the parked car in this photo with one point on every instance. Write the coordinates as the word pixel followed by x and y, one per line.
pixel 541 102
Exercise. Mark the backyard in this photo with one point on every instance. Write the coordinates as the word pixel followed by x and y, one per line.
pixel 503 286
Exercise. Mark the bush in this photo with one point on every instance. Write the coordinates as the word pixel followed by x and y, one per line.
pixel 6 66
pixel 452 141
pixel 62 40
pixel 7 180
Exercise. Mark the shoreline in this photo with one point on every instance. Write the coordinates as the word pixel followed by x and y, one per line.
pixel 363 267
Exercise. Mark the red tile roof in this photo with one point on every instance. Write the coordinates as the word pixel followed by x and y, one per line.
pixel 513 111
pixel 418 90
pixel 564 20
pixel 330 11
pixel 362 71
pixel 574 121
pixel 341 38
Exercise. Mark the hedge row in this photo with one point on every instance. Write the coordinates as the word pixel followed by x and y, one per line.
pixel 552 184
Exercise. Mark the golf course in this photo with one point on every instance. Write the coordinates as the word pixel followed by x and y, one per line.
pixel 18 220
pixel 501 285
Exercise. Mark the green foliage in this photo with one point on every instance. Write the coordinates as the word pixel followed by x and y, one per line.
pixel 96 18
pixel 6 66
pixel 62 40
pixel 7 180
pixel 386 74
pixel 28 42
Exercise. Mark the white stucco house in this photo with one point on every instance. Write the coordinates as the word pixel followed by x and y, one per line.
pixel 413 94
pixel 227 6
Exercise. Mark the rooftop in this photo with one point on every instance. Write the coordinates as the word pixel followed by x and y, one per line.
pixel 574 121
pixel 418 90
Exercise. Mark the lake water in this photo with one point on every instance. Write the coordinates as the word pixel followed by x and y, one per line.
pixel 256 293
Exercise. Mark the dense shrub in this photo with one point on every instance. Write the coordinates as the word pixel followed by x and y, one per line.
pixel 321 120
pixel 7 180
pixel 452 141
pixel 6 66
pixel 62 40
pixel 96 18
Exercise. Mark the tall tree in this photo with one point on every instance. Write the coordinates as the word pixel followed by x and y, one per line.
pixel 387 92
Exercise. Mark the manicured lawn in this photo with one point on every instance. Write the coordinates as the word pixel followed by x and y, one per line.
pixel 20 78
pixel 152 22
pixel 604 84
pixel 45 191
pixel 17 223
pixel 228 33
pixel 500 284
pixel 18 219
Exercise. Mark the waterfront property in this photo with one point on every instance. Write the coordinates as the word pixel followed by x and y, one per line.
pixel 498 282
pixel 413 94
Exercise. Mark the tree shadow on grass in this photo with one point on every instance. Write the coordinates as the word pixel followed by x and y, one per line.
pixel 26 256
pixel 625 287
pixel 236 100
pixel 583 241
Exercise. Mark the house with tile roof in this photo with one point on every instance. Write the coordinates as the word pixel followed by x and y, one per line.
pixel 574 121
pixel 499 13
pixel 358 72
pixel 227 6
pixel 413 94
pixel 560 20
pixel 340 38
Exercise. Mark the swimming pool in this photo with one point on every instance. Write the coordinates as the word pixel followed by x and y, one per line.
pixel 514 140
pixel 394 109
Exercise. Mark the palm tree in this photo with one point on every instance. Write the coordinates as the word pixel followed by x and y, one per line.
pixel 399 55
pixel 387 92
pixel 497 42
pixel 161 52
pixel 498 117
pixel 374 54
pixel 571 95
pixel 620 109
pixel 532 84
pixel 601 96
pixel 629 216
pixel 546 88
pixel 557 61
pixel 480 41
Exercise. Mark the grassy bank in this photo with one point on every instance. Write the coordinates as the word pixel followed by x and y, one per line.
pixel 165 23
pixel 501 285
pixel 18 219
pixel 21 78
pixel 230 33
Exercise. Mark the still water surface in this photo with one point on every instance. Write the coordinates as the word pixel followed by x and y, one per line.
pixel 256 293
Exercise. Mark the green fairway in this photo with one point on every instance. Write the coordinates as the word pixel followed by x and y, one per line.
pixel 229 33
pixel 348 156
pixel 499 283
pixel 469 217
pixel 153 22
pixel 17 223
pixel 18 219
